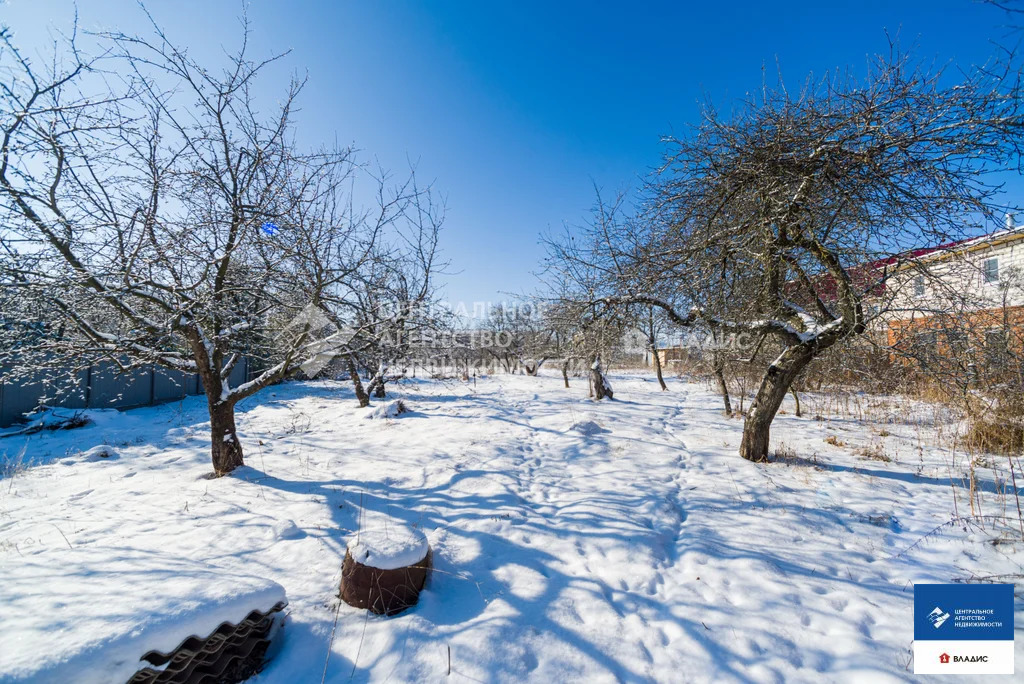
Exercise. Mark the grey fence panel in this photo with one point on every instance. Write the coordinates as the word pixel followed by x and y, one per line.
pixel 110 389
pixel 239 374
pixel 41 387
pixel 68 392
pixel 19 400
pixel 169 385
pixel 101 386
pixel 16 402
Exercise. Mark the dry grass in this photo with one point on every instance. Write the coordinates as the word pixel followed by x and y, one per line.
pixel 996 425
pixel 995 436
pixel 875 452
pixel 12 466
pixel 929 392
pixel 784 452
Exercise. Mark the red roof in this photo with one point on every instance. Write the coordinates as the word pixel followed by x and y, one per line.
pixel 867 277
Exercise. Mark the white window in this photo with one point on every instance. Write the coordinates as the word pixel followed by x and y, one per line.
pixel 992 270
pixel 919 286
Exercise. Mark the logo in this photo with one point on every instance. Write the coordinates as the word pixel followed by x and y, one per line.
pixel 945 659
pixel 270 228
pixel 937 617
pixel 963 629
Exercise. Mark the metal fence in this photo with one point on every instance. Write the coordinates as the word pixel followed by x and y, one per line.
pixel 101 386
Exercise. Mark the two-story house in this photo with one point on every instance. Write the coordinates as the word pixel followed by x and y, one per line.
pixel 964 294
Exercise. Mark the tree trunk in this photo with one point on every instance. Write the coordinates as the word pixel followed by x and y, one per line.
pixel 796 398
pixel 776 383
pixel 225 447
pixel 718 366
pixel 534 369
pixel 599 384
pixel 565 373
pixel 376 386
pixel 652 340
pixel 657 367
pixel 353 372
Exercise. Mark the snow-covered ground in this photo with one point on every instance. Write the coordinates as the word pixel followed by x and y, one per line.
pixel 572 540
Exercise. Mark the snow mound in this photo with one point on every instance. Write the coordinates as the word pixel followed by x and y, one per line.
pixel 391 409
pixel 287 529
pixel 99 453
pixel 111 418
pixel 389 548
pixel 68 621
pixel 589 427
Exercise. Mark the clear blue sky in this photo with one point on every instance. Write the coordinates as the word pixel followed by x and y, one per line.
pixel 517 109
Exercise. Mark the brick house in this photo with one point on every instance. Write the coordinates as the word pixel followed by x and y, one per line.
pixel 968 294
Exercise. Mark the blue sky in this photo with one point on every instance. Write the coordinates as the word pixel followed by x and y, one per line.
pixel 517 109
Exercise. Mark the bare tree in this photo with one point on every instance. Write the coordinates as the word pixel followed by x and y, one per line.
pixel 779 221
pixel 651 322
pixel 389 305
pixel 146 198
pixel 520 337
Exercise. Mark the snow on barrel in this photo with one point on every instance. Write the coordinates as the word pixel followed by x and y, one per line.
pixel 385 569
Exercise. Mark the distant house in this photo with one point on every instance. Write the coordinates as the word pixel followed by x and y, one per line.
pixel 968 292
pixel 673 356
pixel 938 296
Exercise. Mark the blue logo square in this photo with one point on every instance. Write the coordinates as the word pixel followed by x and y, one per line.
pixel 963 612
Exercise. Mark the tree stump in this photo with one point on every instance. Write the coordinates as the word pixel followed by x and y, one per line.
pixel 385 569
